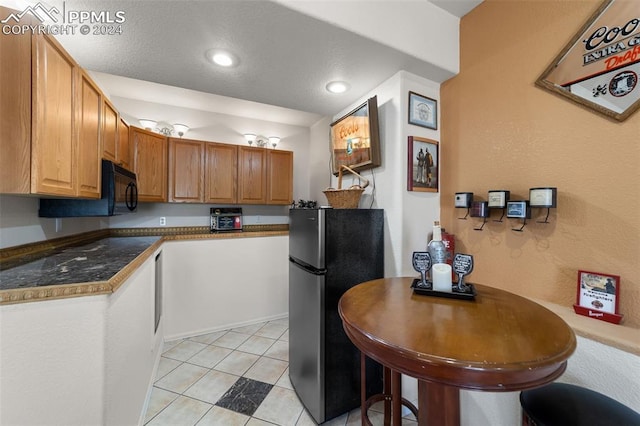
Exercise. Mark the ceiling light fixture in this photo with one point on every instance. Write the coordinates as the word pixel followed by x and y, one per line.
pixel 337 86
pixel 164 128
pixel 261 141
pixel 221 57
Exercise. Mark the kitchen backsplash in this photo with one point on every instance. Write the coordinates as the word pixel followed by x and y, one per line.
pixel 20 224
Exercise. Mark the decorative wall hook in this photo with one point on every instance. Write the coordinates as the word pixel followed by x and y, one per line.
pixel 519 210
pixel 498 200
pixel 463 200
pixel 480 209
pixel 543 198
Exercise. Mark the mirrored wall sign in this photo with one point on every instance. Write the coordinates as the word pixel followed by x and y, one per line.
pixel 599 67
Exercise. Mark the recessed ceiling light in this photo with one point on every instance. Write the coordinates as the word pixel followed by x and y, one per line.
pixel 337 86
pixel 221 57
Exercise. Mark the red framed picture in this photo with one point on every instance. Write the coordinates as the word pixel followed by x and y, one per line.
pixel 598 296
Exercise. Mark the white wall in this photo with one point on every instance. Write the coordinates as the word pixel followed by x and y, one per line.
pixel 53 375
pixel 20 224
pixel 79 361
pixel 409 216
pixel 595 366
pixel 216 127
pixel 214 285
pixel 418 28
pixel 132 347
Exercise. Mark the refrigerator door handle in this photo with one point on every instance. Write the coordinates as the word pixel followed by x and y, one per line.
pixel 307 267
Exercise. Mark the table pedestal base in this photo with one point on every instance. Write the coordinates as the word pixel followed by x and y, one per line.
pixel 391 395
pixel 439 404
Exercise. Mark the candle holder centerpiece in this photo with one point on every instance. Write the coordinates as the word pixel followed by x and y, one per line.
pixel 441 284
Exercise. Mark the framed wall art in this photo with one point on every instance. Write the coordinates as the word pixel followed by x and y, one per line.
pixel 423 111
pixel 355 138
pixel 423 165
pixel 599 67
pixel 598 296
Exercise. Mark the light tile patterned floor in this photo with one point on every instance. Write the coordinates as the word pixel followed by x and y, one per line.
pixel 234 377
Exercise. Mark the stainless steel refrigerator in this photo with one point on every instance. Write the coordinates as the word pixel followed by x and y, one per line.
pixel 330 251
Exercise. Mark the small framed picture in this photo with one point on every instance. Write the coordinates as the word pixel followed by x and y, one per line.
pixel 598 291
pixel 423 165
pixel 423 111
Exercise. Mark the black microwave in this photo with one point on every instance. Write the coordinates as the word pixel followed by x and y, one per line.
pixel 119 196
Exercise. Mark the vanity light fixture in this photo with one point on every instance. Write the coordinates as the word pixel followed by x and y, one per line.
pixel 337 86
pixel 221 57
pixel 261 141
pixel 148 124
pixel 164 128
pixel 180 129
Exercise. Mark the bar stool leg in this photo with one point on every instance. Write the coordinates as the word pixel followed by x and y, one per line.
pixel 396 392
pixel 386 391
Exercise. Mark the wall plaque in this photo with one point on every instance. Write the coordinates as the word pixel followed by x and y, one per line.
pixel 599 67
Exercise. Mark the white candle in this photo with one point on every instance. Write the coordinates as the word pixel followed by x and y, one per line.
pixel 441 274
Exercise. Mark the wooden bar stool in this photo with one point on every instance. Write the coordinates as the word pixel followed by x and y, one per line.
pixel 561 404
pixel 391 395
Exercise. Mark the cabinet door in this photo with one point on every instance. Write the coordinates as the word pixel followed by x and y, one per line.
pixel 149 164
pixel 15 111
pixel 252 175
pixel 221 172
pixel 89 106
pixel 54 132
pixel 280 177
pixel 186 171
pixel 109 131
pixel 123 151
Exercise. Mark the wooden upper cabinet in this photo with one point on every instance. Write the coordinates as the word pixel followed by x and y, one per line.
pixel 15 111
pixel 280 177
pixel 221 171
pixel 252 176
pixel 54 131
pixel 89 108
pixel 124 150
pixel 150 164
pixel 186 171
pixel 109 131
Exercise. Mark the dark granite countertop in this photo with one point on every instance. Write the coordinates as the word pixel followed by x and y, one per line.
pixel 92 262
pixel 95 262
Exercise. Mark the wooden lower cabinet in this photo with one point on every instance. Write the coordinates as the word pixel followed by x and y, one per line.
pixel 279 177
pixel 150 164
pixel 221 171
pixel 186 171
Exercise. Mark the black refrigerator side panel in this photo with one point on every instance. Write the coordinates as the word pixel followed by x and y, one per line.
pixel 354 254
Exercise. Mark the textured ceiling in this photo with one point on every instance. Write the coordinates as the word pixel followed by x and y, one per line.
pixel 286 58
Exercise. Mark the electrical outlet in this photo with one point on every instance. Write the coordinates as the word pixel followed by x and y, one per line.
pixel 58 224
pixel 258 219
pixel 163 221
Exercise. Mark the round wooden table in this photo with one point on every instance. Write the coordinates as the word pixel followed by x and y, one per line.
pixel 497 342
